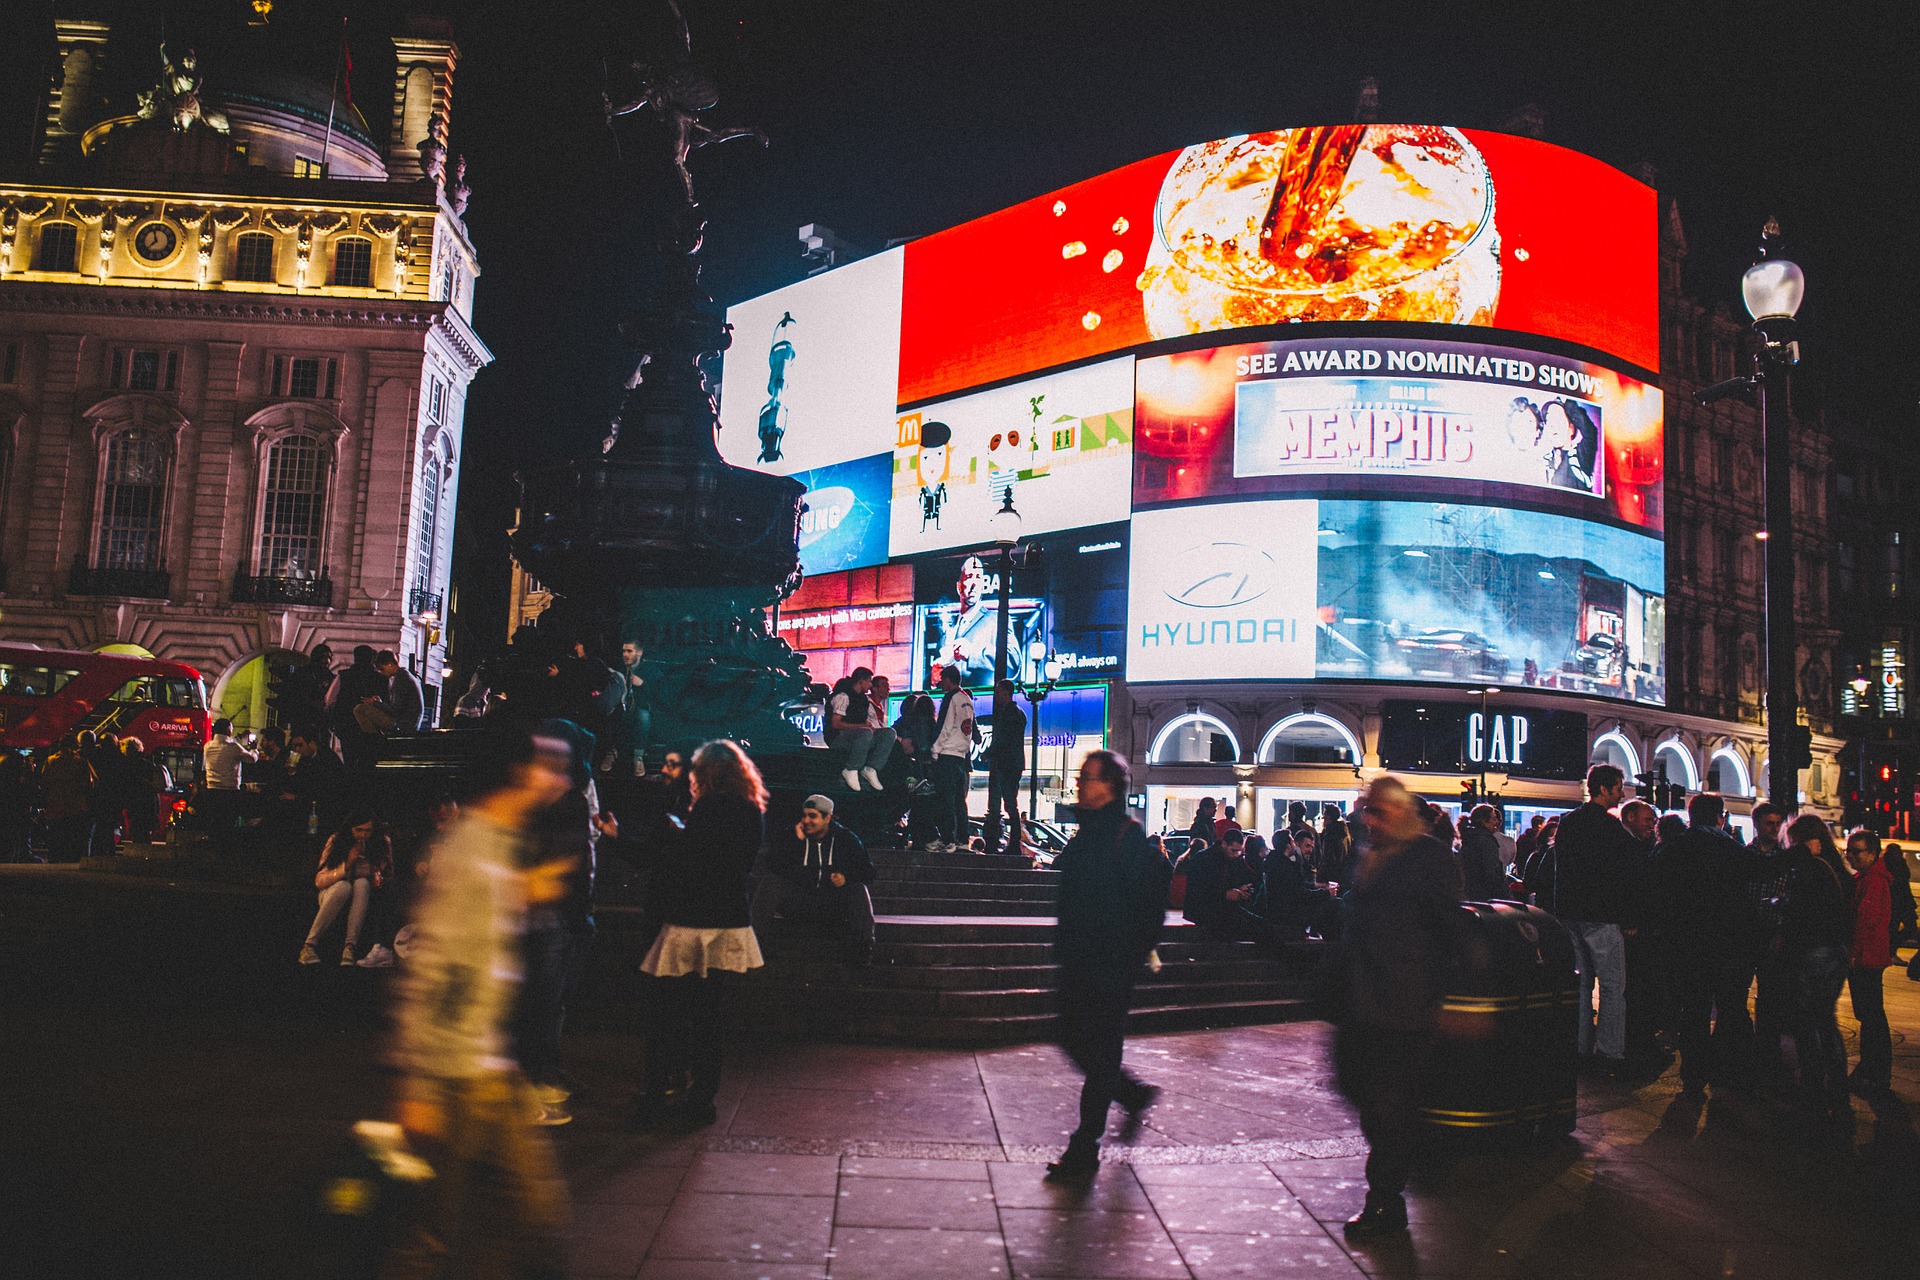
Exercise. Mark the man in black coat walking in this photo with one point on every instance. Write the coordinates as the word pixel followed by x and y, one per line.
pixel 1113 902
pixel 1388 981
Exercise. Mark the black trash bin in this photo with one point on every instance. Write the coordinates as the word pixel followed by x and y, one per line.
pixel 1514 985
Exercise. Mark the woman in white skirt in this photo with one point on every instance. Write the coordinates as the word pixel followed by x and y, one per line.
pixel 699 891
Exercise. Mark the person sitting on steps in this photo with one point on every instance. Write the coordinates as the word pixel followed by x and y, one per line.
pixel 858 731
pixel 818 875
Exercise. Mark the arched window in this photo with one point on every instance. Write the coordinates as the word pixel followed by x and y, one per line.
pixel 353 262
pixel 1727 773
pixel 58 248
pixel 133 493
pixel 1679 763
pixel 253 256
pixel 1613 747
pixel 1195 738
pixel 1308 737
pixel 293 501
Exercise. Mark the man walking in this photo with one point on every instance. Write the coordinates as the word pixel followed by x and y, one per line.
pixel 1592 870
pixel 952 759
pixel 1006 761
pixel 1386 990
pixel 1113 902
pixel 497 1202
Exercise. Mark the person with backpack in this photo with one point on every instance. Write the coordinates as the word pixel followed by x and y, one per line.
pixel 1872 952
pixel 1814 946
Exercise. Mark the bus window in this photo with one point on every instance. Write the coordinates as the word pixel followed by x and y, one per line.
pixel 33 682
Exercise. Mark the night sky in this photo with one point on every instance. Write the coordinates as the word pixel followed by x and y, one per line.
pixel 894 120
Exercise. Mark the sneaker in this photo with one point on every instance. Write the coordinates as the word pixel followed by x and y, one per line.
pixel 551 1095
pixel 379 956
pixel 308 955
pixel 1078 1163
pixel 347 957
pixel 851 778
pixel 931 846
pixel 872 777
pixel 924 787
pixel 1380 1218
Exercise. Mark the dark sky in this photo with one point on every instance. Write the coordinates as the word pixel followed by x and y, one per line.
pixel 898 119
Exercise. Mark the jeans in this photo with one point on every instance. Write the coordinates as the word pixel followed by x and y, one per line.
pixel 1600 954
pixel 1380 1070
pixel 1876 1038
pixel 352 896
pixel 951 779
pixel 1093 1031
pixel 1003 794
pixel 864 748
pixel 1818 975
pixel 497 1205
pixel 849 909
pixel 537 1012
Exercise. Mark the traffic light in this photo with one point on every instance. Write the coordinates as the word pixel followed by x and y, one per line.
pixel 1646 787
pixel 1469 794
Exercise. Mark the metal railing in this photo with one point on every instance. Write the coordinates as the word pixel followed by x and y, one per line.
pixel 421 602
pixel 144 584
pixel 249 588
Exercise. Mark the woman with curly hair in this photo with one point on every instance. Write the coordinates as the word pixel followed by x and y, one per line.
pixel 355 864
pixel 700 879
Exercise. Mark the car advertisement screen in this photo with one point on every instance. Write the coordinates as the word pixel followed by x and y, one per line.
pixel 1061 446
pixel 1402 417
pixel 1070 602
pixel 844 523
pixel 1384 590
pixel 811 377
pixel 1344 223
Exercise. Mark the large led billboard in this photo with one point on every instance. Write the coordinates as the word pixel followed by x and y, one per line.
pixel 1343 223
pixel 1060 445
pixel 813 373
pixel 844 521
pixel 1454 593
pixel 1400 417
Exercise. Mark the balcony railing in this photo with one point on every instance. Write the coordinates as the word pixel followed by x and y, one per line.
pixel 144 584
pixel 250 588
pixel 423 602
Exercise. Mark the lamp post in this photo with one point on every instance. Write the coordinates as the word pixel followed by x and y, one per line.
pixel 1773 288
pixel 1046 670
pixel 1486 691
pixel 1006 533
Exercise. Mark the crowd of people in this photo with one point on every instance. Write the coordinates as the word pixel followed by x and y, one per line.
pixel 84 798
pixel 1238 885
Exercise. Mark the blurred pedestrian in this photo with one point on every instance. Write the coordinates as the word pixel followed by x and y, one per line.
pixel 497 1203
pixel 700 891
pixel 1386 983
pixel 1871 953
pixel 1112 906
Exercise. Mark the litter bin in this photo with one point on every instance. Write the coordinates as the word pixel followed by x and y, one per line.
pixel 1514 1075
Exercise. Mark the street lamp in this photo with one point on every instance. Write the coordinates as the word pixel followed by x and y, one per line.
pixel 1773 288
pixel 1046 673
pixel 1006 533
pixel 1486 691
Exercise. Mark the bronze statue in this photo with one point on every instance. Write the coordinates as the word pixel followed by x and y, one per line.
pixel 179 101
pixel 677 93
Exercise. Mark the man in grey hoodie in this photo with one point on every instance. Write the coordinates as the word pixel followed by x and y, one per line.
pixel 497 1199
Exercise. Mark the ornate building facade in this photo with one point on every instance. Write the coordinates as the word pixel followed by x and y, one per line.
pixel 235 347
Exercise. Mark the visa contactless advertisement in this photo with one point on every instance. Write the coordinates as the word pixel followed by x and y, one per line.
pixel 1400 416
pixel 813 371
pixel 1344 223
pixel 1060 446
pixel 1449 593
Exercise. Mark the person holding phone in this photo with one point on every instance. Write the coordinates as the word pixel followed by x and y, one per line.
pixel 355 863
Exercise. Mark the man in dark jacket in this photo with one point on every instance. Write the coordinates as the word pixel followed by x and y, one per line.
pixel 1773 995
pixel 357 684
pixel 1112 905
pixel 1221 889
pixel 1481 865
pixel 1705 931
pixel 1006 761
pixel 1593 872
pixel 1388 980
pixel 819 874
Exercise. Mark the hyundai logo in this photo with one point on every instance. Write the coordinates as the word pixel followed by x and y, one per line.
pixel 1229 574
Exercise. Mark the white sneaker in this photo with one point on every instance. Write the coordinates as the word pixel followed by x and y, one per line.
pixel 872 777
pixel 851 778
pixel 308 955
pixel 380 956
pixel 932 846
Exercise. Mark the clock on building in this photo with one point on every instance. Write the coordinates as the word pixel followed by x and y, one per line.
pixel 155 242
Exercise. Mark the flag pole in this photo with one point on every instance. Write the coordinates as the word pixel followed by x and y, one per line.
pixel 334 97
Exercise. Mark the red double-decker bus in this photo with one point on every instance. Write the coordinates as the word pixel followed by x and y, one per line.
pixel 45 694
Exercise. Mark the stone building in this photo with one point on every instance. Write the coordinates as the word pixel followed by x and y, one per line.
pixel 235 347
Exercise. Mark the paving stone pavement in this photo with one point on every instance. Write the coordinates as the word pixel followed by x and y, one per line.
pixel 851 1162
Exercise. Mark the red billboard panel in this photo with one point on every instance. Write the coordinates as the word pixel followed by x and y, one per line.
pixel 1334 223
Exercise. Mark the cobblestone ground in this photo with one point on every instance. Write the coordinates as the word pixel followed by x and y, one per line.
pixel 138 1139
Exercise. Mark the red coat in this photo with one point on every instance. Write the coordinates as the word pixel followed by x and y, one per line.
pixel 1873 917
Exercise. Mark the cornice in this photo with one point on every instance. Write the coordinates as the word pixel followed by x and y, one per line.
pixel 95 300
pixel 453 327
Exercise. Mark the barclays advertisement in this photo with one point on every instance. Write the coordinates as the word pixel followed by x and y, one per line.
pixel 844 523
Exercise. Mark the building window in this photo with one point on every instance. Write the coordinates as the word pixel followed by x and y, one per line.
pixel 1843 568
pixel 1726 657
pixel 9 363
pixel 1723 463
pixel 146 370
pixel 253 257
pixel 133 500
pixel 436 400
pixel 449 280
pixel 304 167
pixel 428 531
pixel 58 249
pixel 292 507
pixel 305 377
pixel 353 263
